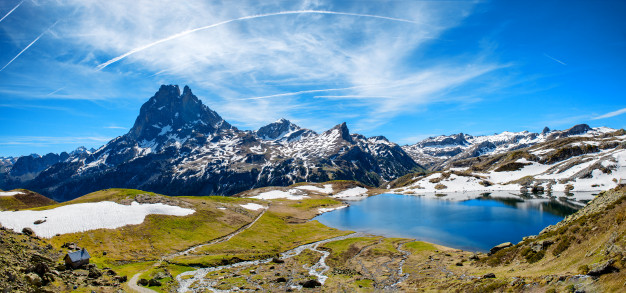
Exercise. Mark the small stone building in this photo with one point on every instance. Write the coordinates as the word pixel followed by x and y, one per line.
pixel 77 259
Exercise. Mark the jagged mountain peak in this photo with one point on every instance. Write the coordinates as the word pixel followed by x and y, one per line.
pixel 578 129
pixel 279 129
pixel 169 110
pixel 341 130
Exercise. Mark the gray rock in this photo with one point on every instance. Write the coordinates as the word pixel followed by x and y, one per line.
pixel 120 279
pixel 500 247
pixel 154 282
pixel 28 231
pixel 311 284
pixel 33 279
pixel 604 268
pixel 489 276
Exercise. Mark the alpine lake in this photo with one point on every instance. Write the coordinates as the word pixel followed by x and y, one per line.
pixel 476 224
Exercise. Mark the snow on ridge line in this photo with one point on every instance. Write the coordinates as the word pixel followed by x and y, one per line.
pixel 252 206
pixel 274 194
pixel 328 188
pixel 10 193
pixel 83 217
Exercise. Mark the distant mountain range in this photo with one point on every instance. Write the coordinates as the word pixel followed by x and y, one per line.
pixel 439 152
pixel 179 146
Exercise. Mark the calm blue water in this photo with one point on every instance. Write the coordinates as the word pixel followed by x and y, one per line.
pixel 476 224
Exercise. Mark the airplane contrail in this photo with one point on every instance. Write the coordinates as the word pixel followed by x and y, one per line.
pixel 16 6
pixel 555 60
pixel 184 33
pixel 23 50
pixel 301 92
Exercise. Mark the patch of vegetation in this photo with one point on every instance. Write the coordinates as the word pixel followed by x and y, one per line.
pixel 270 235
pixel 567 152
pixel 562 245
pixel 583 269
pixel 512 166
pixel 534 257
pixel 440 186
pixel 419 246
pixel 314 203
pixel 407 180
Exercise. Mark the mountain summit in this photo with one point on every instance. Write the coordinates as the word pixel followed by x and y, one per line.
pixel 169 111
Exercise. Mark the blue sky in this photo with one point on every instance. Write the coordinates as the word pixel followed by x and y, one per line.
pixel 76 72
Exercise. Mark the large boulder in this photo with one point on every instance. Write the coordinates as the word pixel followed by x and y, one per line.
pixel 603 268
pixel 28 231
pixel 154 282
pixel 500 247
pixel 33 279
pixel 311 284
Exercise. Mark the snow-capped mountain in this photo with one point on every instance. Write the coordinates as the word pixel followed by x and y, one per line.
pixel 580 160
pixel 438 152
pixel 179 146
pixel 283 130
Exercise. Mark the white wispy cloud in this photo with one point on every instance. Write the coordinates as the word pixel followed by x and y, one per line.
pixel 50 140
pixel 115 127
pixel 611 114
pixel 249 17
pixel 256 62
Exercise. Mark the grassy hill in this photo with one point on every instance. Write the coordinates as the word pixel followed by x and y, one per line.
pixel 590 242
pixel 24 199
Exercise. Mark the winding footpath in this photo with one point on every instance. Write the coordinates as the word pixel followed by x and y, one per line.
pixel 197 277
pixel 133 281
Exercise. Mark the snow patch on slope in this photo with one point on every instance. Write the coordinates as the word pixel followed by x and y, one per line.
pixel 252 206
pixel 274 194
pixel 328 188
pixel 86 216
pixel 355 193
pixel 10 193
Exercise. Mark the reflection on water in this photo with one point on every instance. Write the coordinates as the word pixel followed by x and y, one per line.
pixel 477 223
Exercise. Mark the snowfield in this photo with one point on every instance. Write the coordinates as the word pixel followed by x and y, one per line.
pixel 86 216
pixel 356 193
pixel 252 206
pixel 10 193
pixel 328 188
pixel 274 194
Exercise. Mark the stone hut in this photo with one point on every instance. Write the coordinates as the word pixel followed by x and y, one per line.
pixel 77 259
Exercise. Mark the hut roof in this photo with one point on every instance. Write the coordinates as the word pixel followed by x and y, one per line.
pixel 79 255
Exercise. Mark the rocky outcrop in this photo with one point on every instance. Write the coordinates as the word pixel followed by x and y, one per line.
pixel 29 264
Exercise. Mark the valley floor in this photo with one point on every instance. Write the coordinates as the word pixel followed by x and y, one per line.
pixel 265 240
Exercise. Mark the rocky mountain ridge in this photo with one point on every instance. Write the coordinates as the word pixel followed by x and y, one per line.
pixel 180 146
